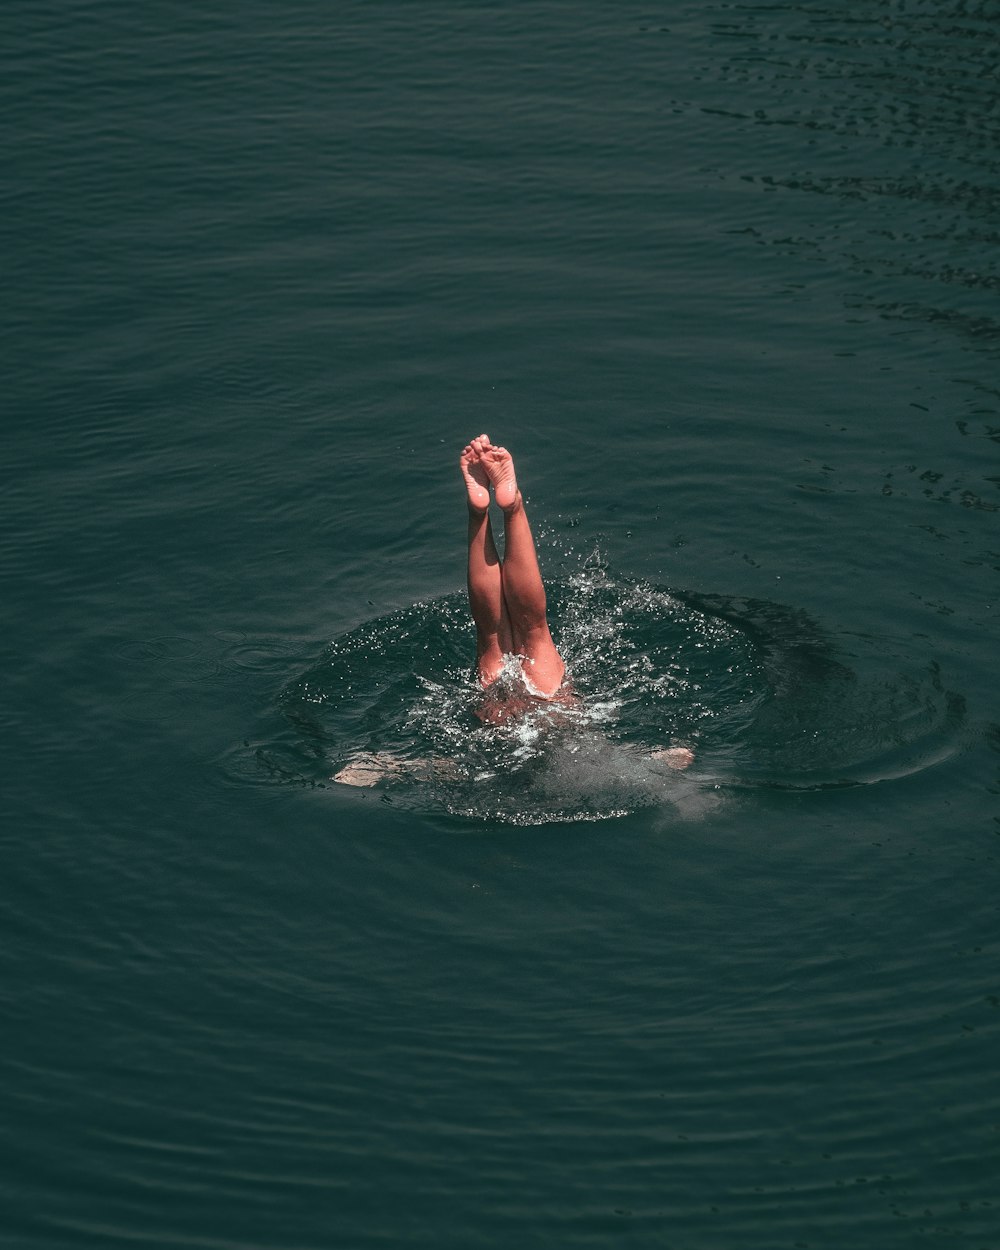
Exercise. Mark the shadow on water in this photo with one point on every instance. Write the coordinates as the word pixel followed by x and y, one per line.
pixel 754 688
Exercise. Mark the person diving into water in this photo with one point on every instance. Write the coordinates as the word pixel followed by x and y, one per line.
pixel 506 598
pixel 508 605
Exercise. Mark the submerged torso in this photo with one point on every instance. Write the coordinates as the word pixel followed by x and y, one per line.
pixel 513 694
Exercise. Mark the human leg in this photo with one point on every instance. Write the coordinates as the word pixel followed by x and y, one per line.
pixel 523 592
pixel 486 600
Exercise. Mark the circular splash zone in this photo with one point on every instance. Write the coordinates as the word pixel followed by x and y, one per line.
pixel 752 688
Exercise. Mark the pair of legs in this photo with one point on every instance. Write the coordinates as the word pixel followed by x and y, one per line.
pixel 508 606
pixel 507 598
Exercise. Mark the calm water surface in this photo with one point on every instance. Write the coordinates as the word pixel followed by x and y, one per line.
pixel 724 277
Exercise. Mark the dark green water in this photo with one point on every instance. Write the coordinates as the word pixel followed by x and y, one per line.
pixel 724 277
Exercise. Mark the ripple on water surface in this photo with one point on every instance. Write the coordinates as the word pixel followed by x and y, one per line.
pixel 753 688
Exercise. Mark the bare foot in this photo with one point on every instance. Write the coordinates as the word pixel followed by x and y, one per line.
pixel 476 481
pixel 500 470
pixel 674 757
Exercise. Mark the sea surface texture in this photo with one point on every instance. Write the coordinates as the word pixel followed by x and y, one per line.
pixel 724 277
